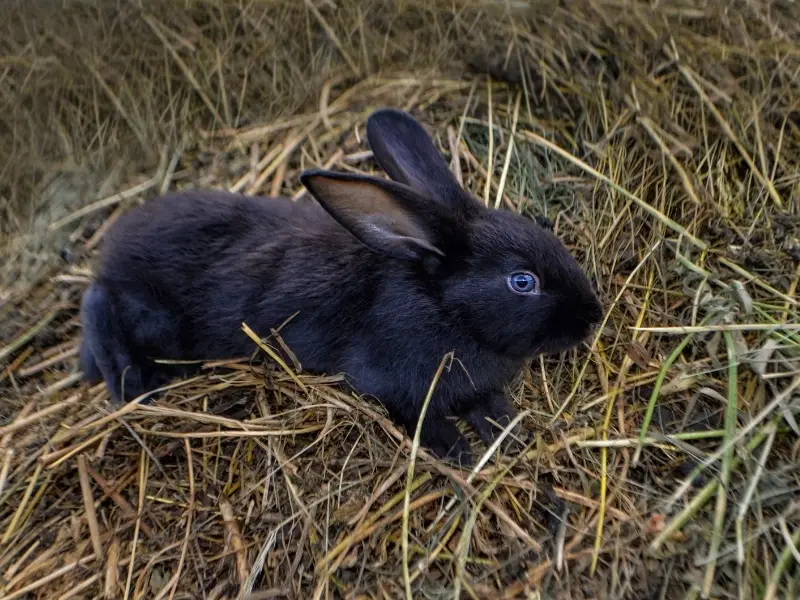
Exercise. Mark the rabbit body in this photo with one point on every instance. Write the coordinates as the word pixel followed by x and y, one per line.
pixel 373 279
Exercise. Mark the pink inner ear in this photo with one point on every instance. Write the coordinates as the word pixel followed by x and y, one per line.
pixel 368 199
pixel 381 219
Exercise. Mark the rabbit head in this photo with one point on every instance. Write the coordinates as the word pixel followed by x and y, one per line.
pixel 511 284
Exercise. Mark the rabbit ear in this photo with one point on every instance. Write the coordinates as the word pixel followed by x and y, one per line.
pixel 388 217
pixel 406 152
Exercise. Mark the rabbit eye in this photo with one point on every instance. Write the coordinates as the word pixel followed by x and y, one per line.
pixel 523 282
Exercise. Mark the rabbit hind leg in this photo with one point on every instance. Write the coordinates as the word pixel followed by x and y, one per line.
pixel 104 348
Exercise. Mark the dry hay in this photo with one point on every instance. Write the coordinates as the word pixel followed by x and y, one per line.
pixel 662 144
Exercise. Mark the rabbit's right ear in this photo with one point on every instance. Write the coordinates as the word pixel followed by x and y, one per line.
pixel 387 217
pixel 406 152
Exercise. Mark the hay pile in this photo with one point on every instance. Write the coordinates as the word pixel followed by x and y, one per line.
pixel 662 143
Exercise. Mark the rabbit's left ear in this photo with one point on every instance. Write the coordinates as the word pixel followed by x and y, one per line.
pixel 387 217
pixel 406 152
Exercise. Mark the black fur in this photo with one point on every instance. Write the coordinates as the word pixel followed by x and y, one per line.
pixel 404 272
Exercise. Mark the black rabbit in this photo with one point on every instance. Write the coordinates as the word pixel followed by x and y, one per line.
pixel 386 277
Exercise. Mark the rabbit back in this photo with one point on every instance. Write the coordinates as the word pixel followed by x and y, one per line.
pixel 178 276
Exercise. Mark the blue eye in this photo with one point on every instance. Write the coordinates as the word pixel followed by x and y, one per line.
pixel 523 282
